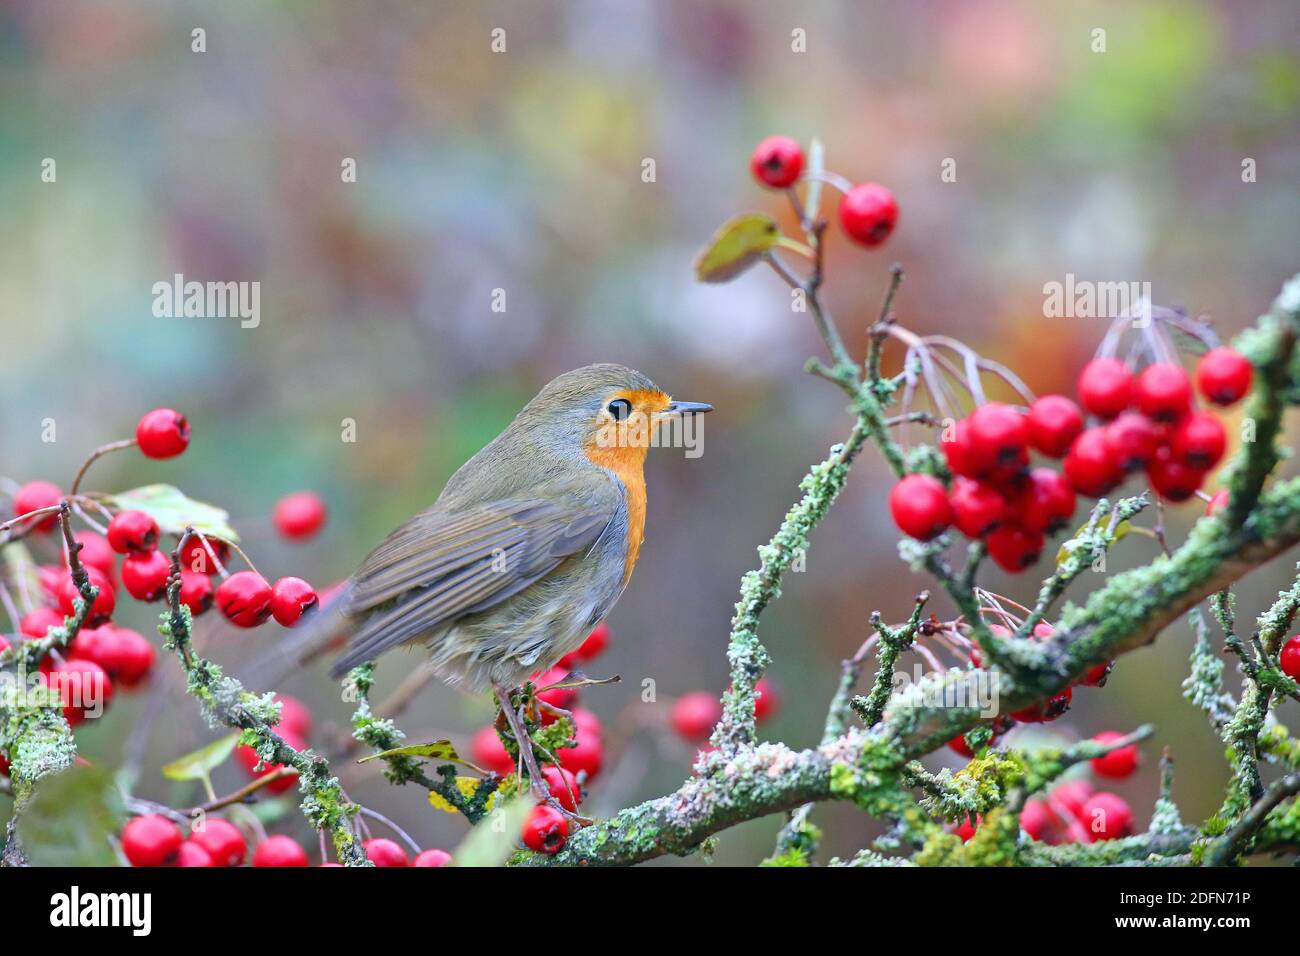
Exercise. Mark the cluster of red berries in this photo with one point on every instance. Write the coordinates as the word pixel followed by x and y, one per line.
pixel 546 830
pixel 1147 422
pixel 694 715
pixel 868 211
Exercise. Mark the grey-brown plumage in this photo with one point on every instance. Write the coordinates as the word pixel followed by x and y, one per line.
pixel 527 548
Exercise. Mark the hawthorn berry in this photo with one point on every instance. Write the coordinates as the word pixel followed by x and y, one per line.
pixel 1289 659
pixel 976 508
pixel 1046 503
pixel 199 552
pixel 36 624
pixel 1089 465
pixel 546 830
pixel 1014 547
pixel 919 504
pixel 1223 375
pixel 1071 795
pixel 595 644
pixel 248 759
pixel 84 688
pixel 1199 441
pixel 432 858
pixel 1054 422
pixel 960 454
pixel 1107 816
pixel 1117 764
pixel 1105 387
pixel 279 850
pixel 151 840
pixel 290 598
pixel 99 644
pixel 868 213
pixel 105 601
pixel 563 786
pixel 958 745
pixel 1000 432
pixel 777 162
pixel 245 599
pixel 162 433
pixel 1097 674
pixel 586 723
pixel 223 841
pixel 1218 501
pixel 299 515
pixel 695 714
pixel 1163 392
pixel 295 716
pixel 384 852
pixel 1046 710
pixel 766 700
pixel 196 591
pixel 1035 819
pixel 131 531
pixel 966 829
pixel 145 574
pixel 192 854
pixel 1133 439
pixel 489 752
pixel 34 496
pixel 588 756
pixel 1172 479
pixel 95 552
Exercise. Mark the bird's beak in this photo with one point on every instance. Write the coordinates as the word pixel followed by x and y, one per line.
pixel 682 409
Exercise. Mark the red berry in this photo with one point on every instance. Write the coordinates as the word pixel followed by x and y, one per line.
pixel 868 212
pixel 300 515
pixel 1117 764
pixel 919 504
pixel 248 759
pixel 545 830
pixel 961 454
pixel 976 508
pixel 132 531
pixel 1046 710
pixel 1014 548
pixel 1172 479
pixel 432 858
pixel 1035 819
pixel 1046 503
pixel 245 599
pixel 295 716
pixel 84 688
pixel 1090 466
pixel 151 840
pixel 1107 816
pixel 223 841
pixel 1133 439
pixel 384 852
pixel 99 644
pixel 1289 660
pixel 1218 501
pixel 135 657
pixel 95 552
pixel 777 162
pixel 695 714
pixel 162 433
pixel 1054 422
pixel 1199 441
pixel 105 601
pixel 196 591
pixel 588 756
pixel 966 829
pixel 1163 392
pixel 192 854
pixel 279 851
pixel 586 723
pixel 145 574
pixel 490 753
pixel 35 624
pixel 1223 375
pixel 958 745
pixel 1105 387
pixel 34 496
pixel 290 598
pixel 1001 432
pixel 766 701
pixel 563 786
pixel 1097 675
pixel 199 554
pixel 595 644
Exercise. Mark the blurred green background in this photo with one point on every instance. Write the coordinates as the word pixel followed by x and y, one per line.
pixel 522 171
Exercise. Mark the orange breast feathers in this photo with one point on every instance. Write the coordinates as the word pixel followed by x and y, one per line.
pixel 621 447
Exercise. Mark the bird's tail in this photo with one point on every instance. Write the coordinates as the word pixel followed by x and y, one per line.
pixel 319 633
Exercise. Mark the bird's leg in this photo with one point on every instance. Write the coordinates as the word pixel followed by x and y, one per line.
pixel 536 782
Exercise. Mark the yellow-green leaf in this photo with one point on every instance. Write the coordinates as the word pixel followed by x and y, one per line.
pixel 440 750
pixel 1067 549
pixel 737 246
pixel 197 765
pixel 174 511
pixel 468 786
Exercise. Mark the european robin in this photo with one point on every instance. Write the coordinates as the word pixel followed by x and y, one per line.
pixel 527 548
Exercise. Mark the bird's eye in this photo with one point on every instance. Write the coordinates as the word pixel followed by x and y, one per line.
pixel 620 408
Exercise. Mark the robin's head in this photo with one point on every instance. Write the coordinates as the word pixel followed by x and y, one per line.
pixel 605 407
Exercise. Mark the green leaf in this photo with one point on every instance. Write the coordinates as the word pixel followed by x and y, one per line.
pixel 737 246
pixel 1068 546
pixel 173 511
pixel 494 839
pixel 440 750
pixel 197 765
pixel 70 817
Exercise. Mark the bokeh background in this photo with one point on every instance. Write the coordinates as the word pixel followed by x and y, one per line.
pixel 522 171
